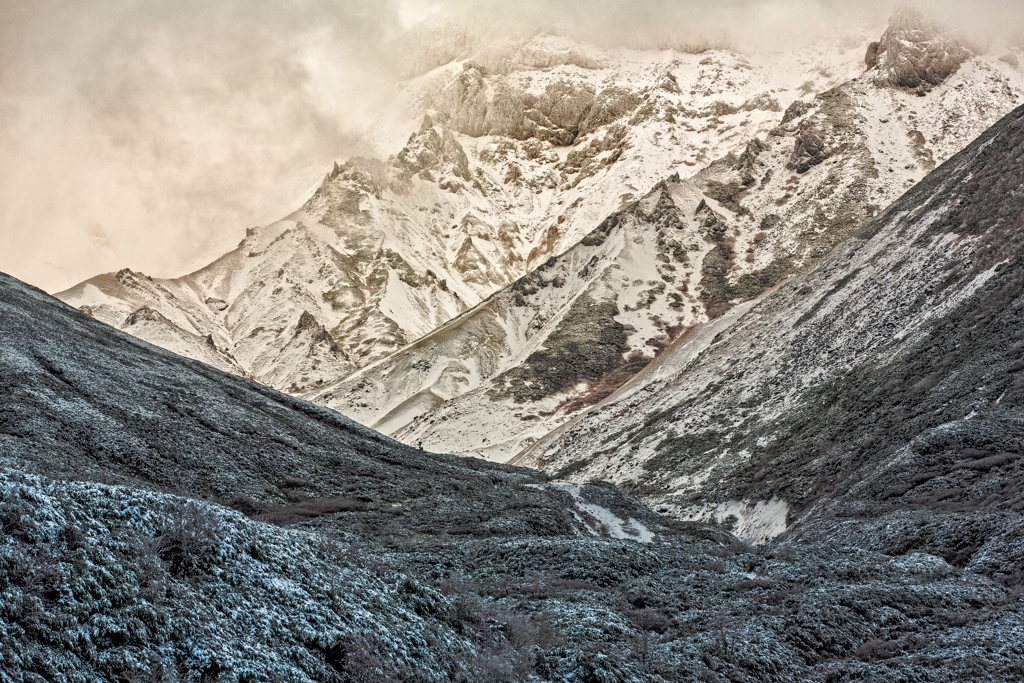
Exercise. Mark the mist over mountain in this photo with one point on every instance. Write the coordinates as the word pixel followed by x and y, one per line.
pixel 132 130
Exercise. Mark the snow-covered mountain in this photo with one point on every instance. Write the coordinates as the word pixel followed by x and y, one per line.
pixel 510 265
pixel 531 357
pixel 886 377
pixel 496 162
pixel 755 342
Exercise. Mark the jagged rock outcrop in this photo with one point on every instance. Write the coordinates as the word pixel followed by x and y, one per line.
pixel 871 56
pixel 144 314
pixel 915 52
pixel 562 113
pixel 711 225
pixel 434 149
pixel 809 149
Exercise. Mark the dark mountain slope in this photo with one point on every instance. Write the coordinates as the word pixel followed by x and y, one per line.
pixel 885 384
pixel 409 566
pixel 120 410
pixel 84 401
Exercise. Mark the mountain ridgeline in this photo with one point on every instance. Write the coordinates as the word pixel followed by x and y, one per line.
pixel 418 294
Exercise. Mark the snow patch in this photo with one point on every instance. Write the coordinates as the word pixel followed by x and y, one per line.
pixel 754 522
pixel 605 522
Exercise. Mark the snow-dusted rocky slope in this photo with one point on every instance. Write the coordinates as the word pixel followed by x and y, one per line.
pixel 496 162
pixel 517 151
pixel 551 345
pixel 84 401
pixel 405 566
pixel 885 380
pixel 592 316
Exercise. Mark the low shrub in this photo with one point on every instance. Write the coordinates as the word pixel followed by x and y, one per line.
pixel 190 539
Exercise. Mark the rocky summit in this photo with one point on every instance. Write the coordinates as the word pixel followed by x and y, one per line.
pixel 915 53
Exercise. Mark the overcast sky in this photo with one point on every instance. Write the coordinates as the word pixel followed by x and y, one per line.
pixel 150 134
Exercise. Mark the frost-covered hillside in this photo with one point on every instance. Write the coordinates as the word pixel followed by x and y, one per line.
pixel 365 560
pixel 883 381
pixel 86 402
pixel 110 583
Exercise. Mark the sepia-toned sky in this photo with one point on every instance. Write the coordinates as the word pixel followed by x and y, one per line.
pixel 150 133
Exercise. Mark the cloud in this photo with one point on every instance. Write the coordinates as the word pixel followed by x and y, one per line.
pixel 150 133
pixel 741 24
pixel 169 127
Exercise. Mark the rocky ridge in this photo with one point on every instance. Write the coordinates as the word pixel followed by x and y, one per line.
pixel 879 386
pixel 598 298
pixel 915 53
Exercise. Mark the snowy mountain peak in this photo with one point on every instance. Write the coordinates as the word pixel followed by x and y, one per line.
pixel 517 179
pixel 433 148
pixel 915 52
